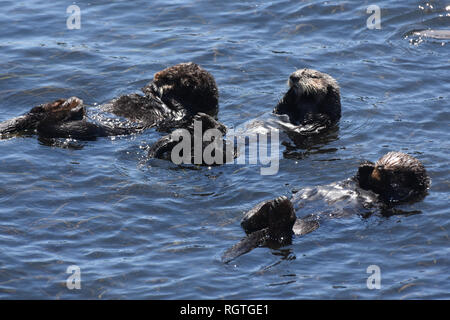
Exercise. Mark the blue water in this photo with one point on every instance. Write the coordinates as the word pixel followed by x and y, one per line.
pixel 149 230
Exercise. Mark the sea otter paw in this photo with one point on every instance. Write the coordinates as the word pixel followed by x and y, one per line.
pixel 280 201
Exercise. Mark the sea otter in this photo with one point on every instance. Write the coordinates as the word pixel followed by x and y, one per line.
pixel 171 100
pixel 175 95
pixel 395 178
pixel 307 115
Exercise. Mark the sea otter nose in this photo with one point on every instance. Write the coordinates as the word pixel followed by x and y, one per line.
pixel 294 78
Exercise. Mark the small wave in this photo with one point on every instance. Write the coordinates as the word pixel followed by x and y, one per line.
pixel 418 36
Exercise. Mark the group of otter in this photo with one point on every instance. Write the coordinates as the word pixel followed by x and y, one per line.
pixel 179 95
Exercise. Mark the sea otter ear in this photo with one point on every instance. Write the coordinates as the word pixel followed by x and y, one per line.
pixel 364 171
pixel 331 89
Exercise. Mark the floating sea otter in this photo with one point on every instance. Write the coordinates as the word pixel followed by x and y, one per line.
pixel 395 178
pixel 171 100
pixel 311 106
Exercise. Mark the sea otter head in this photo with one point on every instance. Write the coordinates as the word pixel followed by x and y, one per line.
pixel 310 93
pixel 185 86
pixel 395 177
pixel 61 110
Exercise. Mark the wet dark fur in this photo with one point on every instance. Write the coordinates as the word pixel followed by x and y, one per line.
pixel 395 178
pixel 162 149
pixel 43 118
pixel 320 105
pixel 185 87
pixel 311 112
pixel 297 109
pixel 267 224
pixel 171 100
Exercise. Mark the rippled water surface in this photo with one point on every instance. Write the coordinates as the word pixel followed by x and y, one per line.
pixel 148 229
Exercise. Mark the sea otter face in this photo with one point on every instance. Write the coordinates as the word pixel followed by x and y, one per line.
pixel 311 95
pixel 312 83
pixel 396 177
pixel 186 86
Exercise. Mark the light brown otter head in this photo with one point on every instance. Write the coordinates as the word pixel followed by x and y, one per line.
pixel 312 82
pixel 310 93
pixel 185 86
pixel 396 177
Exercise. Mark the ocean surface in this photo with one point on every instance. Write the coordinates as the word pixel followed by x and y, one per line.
pixel 147 229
